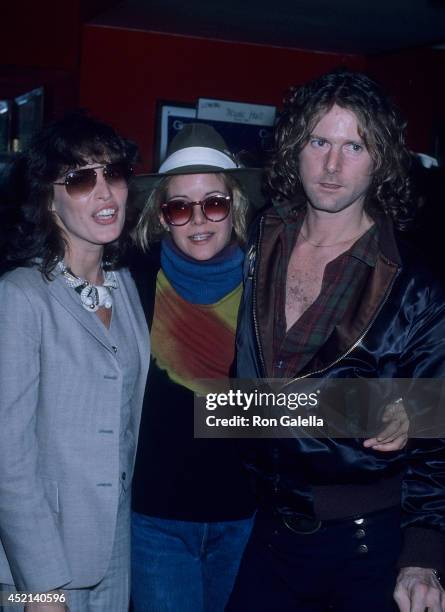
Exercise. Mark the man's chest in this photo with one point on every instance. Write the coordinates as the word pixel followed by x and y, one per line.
pixel 303 284
pixel 305 275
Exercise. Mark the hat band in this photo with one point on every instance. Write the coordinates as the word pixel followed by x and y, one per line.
pixel 197 156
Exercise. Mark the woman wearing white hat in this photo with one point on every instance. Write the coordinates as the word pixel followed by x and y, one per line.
pixel 191 500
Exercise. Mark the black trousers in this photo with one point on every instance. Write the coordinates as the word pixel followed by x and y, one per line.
pixel 345 566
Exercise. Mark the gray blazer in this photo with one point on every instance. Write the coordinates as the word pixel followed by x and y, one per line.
pixel 59 432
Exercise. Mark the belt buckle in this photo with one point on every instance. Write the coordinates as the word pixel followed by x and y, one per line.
pixel 302 526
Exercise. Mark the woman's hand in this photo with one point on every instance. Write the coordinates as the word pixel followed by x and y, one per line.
pixel 395 435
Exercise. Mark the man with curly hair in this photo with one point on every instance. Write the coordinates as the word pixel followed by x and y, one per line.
pixel 332 291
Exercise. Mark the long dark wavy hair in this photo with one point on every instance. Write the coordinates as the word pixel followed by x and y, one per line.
pixel 380 126
pixel 30 230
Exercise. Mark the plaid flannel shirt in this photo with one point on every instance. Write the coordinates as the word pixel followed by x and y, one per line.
pixel 343 277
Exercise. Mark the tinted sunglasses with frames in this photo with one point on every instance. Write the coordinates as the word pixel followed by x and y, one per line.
pixel 80 183
pixel 214 208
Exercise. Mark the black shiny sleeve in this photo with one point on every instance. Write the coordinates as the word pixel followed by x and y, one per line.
pixel 423 488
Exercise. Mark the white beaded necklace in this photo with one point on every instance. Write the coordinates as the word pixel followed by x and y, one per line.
pixel 92 297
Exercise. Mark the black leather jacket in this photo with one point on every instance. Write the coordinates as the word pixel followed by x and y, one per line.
pixel 397 330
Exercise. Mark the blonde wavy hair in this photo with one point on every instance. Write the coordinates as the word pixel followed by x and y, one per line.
pixel 149 228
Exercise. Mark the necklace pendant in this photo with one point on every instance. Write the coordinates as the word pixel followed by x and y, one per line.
pixel 89 296
pixel 92 297
pixel 104 296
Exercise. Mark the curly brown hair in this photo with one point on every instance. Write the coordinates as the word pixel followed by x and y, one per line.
pixel 380 126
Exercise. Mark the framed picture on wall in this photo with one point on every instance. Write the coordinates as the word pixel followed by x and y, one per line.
pixel 247 128
pixel 171 119
pixel 28 117
pixel 5 126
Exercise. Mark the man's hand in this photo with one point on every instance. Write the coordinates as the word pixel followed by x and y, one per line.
pixel 418 588
pixel 395 434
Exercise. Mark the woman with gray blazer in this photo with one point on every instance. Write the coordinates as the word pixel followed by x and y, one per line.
pixel 73 362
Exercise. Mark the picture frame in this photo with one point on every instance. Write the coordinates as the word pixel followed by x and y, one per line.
pixel 5 126
pixel 28 117
pixel 246 128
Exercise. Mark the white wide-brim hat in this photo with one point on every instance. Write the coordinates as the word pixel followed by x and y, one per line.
pixel 199 149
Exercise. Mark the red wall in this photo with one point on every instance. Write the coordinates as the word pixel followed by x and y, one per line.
pixel 125 72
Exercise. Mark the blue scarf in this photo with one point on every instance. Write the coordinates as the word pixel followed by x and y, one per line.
pixel 202 282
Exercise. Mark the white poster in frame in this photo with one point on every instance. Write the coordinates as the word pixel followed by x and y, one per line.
pixel 210 109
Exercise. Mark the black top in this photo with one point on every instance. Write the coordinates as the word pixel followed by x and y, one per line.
pixel 177 476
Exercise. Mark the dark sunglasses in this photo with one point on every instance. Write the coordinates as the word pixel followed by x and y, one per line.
pixel 214 208
pixel 80 183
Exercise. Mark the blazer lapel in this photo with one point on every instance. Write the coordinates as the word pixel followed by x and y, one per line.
pixel 138 323
pixel 136 314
